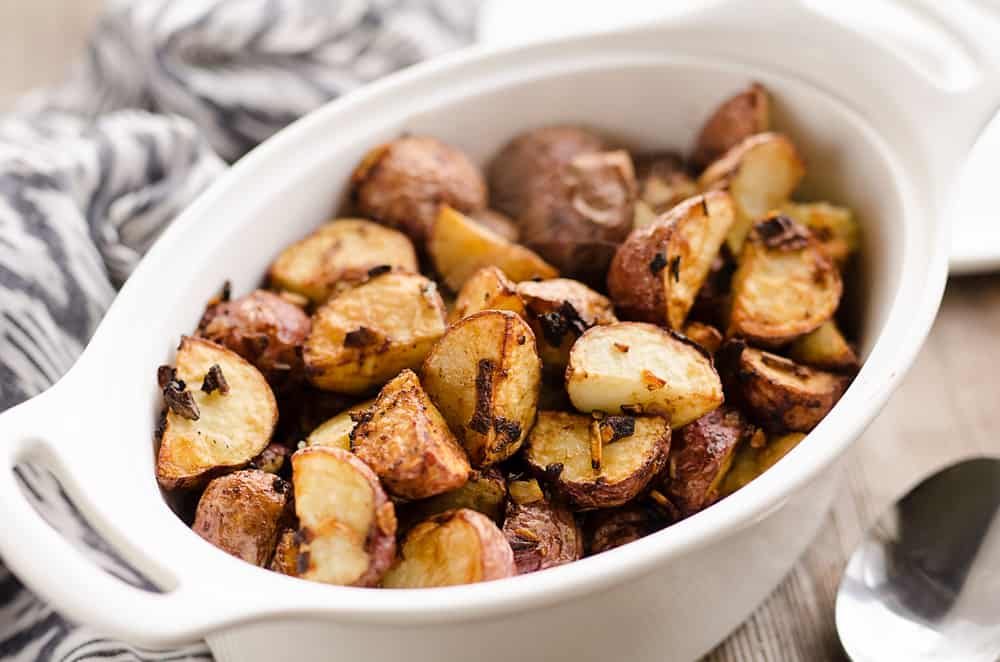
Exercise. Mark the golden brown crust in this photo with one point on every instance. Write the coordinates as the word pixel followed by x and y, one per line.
pixel 835 227
pixel 826 349
pixel 542 535
pixel 705 335
pixel 484 492
pixel 286 554
pixel 559 311
pixel 736 119
pixel 489 288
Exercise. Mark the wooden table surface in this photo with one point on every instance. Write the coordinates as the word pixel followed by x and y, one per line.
pixel 943 411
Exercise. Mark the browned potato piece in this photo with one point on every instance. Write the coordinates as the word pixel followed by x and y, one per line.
pixel 825 348
pixel 785 286
pixel 485 492
pixel 633 451
pixel 403 182
pixel 751 462
pixel 347 525
pixel 783 395
pixel 455 547
pixel 760 173
pixel 242 513
pixel 631 367
pixel 263 328
pixel 542 535
pixel 364 337
pixel 484 377
pixel 835 227
pixel 572 199
pixel 659 269
pixel 286 554
pixel 488 288
pixel 405 440
pixel 210 429
pixel 559 310
pixel 738 118
pixel 272 459
pixel 700 457
pixel 460 247
pixel 340 255
pixel 336 431
pixel 663 183
pixel 607 529
pixel 498 224
pixel 705 335
pixel 524 491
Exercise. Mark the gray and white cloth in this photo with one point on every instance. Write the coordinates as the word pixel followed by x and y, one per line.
pixel 92 171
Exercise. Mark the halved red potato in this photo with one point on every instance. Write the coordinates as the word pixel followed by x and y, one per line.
pixel 736 119
pixel 484 492
pixel 340 255
pixel 785 285
pixel 208 432
pixel 484 376
pixel 488 288
pixel 614 527
pixel 751 462
pixel 365 336
pixel 347 525
pixel 559 310
pixel 825 348
pixel 631 367
pixel 633 450
pixel 455 547
pixel 663 182
pixel 835 227
pixel 336 431
pixel 542 535
pixel 405 440
pixel 759 173
pixel 286 554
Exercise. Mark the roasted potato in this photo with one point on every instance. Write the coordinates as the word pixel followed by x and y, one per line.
pixel 785 285
pixel 286 554
pixel 663 183
pixel 542 535
pixel 781 395
pixel 272 459
pixel 614 527
pixel 751 461
pixel 559 311
pixel 573 200
pixel 700 456
pixel 220 413
pixel 347 525
pixel 488 288
pixel 826 349
pixel 364 337
pixel 835 227
pixel 759 173
pixel 659 269
pixel 242 514
pixel 340 255
pixel 497 223
pixel 597 463
pixel 403 182
pixel 523 491
pixel 484 377
pixel 738 118
pixel 455 547
pixel 484 492
pixel 459 248
pixel 632 367
pixel 263 328
pixel 336 431
pixel 705 335
pixel 405 440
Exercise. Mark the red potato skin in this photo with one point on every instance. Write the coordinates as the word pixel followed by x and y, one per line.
pixel 634 281
pixel 606 529
pixel 739 117
pixel 542 535
pixel 498 561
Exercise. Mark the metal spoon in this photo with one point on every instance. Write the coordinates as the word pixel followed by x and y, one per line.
pixel 925 583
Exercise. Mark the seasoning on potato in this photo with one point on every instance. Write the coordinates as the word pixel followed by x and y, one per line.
pixel 336 431
pixel 542 535
pixel 488 288
pixel 835 227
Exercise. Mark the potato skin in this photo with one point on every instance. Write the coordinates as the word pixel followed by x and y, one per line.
pixel 663 182
pixel 263 328
pixel 286 554
pixel 402 183
pixel 488 288
pixel 242 514
pixel 634 281
pixel 542 535
pixel 739 117
pixel 559 311
pixel 614 527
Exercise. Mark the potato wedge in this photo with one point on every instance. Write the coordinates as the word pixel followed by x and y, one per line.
pixel 484 377
pixel 347 525
pixel 405 440
pixel 542 535
pixel 700 457
pixel 336 431
pixel 632 367
pixel 364 337
pixel 459 247
pixel 488 288
pixel 614 527
pixel 242 514
pixel 826 349
pixel 484 492
pixel 559 310
pixel 751 462
pixel 207 433
pixel 286 554
pixel 340 255
pixel 705 335
pixel 759 173
pixel 785 285
pixel 835 227
pixel 455 547
pixel 782 395
pixel 633 451
pixel 663 183
pixel 738 118
pixel 659 269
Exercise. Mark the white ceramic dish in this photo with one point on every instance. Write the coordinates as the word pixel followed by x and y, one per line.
pixel 874 138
